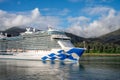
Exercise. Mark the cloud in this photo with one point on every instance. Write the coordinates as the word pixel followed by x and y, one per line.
pixel 64 12
pixel 100 10
pixel 104 24
pixel 32 18
pixel 55 11
pixel 78 19
pixel 85 26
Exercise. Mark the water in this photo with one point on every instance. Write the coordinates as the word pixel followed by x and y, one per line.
pixel 100 68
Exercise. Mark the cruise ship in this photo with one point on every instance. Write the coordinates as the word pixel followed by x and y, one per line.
pixel 51 45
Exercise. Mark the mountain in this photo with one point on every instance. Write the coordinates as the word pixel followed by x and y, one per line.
pixel 14 31
pixel 113 37
pixel 75 38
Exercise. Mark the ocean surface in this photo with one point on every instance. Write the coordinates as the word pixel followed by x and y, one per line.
pixel 88 68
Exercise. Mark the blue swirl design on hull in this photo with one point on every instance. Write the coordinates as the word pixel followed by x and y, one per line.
pixel 61 55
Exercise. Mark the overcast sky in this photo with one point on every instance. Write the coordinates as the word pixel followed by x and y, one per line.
pixel 85 18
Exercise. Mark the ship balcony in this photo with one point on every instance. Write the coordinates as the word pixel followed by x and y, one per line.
pixel 61 37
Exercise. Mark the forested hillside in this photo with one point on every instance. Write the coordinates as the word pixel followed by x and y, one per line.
pixel 109 43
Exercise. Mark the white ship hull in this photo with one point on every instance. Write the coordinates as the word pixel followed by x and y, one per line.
pixel 44 55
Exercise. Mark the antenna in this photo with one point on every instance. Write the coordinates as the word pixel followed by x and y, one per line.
pixel 84 44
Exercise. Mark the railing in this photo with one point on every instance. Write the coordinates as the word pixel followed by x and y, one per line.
pixel 59 37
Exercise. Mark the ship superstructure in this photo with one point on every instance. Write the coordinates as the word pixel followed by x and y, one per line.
pixel 41 45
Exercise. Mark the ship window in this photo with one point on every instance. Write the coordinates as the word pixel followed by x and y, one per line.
pixel 56 32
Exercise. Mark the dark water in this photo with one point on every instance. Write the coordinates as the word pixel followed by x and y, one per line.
pixel 100 68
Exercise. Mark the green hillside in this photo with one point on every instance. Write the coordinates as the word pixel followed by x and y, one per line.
pixel 113 37
pixel 108 43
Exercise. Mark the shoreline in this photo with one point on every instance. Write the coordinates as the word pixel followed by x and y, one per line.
pixel 101 54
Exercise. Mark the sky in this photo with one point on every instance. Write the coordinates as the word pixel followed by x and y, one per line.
pixel 85 18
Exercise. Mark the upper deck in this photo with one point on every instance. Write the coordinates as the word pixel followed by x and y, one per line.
pixel 36 40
